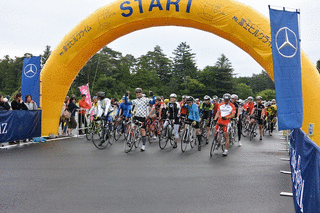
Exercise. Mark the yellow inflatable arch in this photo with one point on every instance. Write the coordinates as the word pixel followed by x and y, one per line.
pixel 228 19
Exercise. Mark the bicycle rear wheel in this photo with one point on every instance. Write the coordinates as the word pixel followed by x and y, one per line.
pixel 163 140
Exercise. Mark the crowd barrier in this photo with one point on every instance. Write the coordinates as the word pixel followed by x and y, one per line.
pixel 19 125
pixel 305 172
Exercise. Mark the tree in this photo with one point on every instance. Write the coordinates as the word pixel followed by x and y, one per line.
pixel 243 91
pixel 224 76
pixel 46 55
pixel 267 94
pixel 318 65
pixel 183 65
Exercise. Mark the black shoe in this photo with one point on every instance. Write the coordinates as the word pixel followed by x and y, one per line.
pixel 175 145
pixel 199 148
pixel 207 141
pixel 102 142
pixel 260 137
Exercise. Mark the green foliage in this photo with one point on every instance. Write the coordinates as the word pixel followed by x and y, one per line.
pixel 318 65
pixel 108 70
pixel 243 91
pixel 267 94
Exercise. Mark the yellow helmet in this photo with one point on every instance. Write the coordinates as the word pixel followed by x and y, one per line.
pixel 166 101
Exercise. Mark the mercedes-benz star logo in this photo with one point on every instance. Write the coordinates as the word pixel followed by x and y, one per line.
pixel 30 70
pixel 289 42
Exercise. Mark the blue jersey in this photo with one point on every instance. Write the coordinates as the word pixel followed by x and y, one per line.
pixel 193 112
pixel 126 110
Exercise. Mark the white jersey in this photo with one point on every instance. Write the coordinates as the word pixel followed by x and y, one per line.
pixel 226 110
pixel 104 107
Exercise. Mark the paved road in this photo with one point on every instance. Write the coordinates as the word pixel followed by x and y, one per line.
pixel 73 176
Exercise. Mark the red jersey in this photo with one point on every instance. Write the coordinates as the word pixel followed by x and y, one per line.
pixel 184 109
pixel 226 110
pixel 250 107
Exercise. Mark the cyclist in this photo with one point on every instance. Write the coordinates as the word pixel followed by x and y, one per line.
pixel 225 113
pixel 250 105
pixel 140 105
pixel 216 105
pixel 104 110
pixel 234 99
pixel 272 115
pixel 158 108
pixel 206 109
pixel 173 110
pixel 193 117
pixel 124 112
pixel 257 114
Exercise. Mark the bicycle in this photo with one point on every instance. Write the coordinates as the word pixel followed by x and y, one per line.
pixel 154 128
pixel 203 128
pixel 188 137
pixel 218 140
pixel 245 122
pixel 108 134
pixel 133 138
pixel 91 127
pixel 167 135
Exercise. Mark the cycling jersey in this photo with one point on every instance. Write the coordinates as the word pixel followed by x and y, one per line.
pixel 226 110
pixel 215 109
pixel 272 110
pixel 104 107
pixel 173 109
pixel 236 106
pixel 250 107
pixel 125 110
pixel 160 106
pixel 140 105
pixel 258 110
pixel 206 110
pixel 193 112
pixel 184 109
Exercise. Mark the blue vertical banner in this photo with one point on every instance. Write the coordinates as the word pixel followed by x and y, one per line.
pixel 30 81
pixel 305 172
pixel 287 67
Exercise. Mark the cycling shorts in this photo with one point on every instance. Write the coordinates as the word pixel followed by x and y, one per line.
pixel 188 121
pixel 142 120
pixel 226 128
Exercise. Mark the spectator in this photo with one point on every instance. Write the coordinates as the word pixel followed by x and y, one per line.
pixel 4 104
pixel 17 103
pixel 82 113
pixel 72 107
pixel 63 120
pixel 30 103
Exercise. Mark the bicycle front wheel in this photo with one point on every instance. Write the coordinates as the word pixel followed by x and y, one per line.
pixel 97 141
pixel 214 146
pixel 184 140
pixel 128 144
pixel 89 132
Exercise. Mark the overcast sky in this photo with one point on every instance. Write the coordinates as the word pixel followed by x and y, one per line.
pixel 28 26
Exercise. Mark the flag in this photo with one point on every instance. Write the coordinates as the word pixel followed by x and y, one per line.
pixel 287 67
pixel 85 90
pixel 30 81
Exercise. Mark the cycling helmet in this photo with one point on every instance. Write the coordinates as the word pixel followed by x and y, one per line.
pixel 101 94
pixel 250 98
pixel 166 101
pixel 138 90
pixel 143 95
pixel 226 96
pixel 258 98
pixel 197 99
pixel 183 97
pixel 189 98
pixel 173 95
pixel 273 100
pixel 94 97
pixel 206 98
pixel 215 97
pixel 158 98
pixel 234 96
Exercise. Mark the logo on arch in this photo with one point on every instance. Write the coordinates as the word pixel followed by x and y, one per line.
pixel 287 42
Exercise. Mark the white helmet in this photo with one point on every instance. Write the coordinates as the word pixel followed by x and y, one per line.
pixel 173 95
pixel 207 97
pixel 250 98
pixel 234 96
